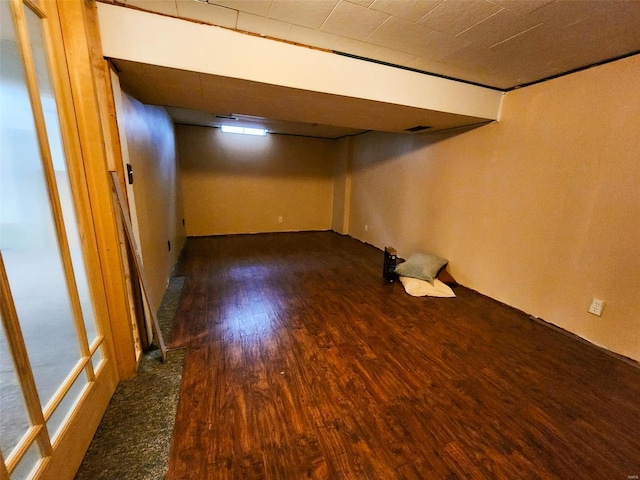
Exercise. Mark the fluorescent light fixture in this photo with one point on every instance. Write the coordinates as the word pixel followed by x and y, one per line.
pixel 255 131
pixel 231 129
pixel 243 130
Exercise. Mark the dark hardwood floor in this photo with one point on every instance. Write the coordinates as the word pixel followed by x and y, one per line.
pixel 302 363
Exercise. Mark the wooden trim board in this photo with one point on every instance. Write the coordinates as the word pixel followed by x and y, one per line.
pixel 128 228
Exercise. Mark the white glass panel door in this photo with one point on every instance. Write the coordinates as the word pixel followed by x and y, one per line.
pixel 51 342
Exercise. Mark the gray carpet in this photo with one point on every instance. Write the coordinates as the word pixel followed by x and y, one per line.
pixel 134 436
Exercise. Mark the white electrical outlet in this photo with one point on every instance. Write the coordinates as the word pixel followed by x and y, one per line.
pixel 596 306
pixel 279 219
pixel 366 228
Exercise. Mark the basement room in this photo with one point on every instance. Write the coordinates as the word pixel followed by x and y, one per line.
pixel 329 239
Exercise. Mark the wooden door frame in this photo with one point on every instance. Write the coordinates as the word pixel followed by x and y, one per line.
pixel 90 85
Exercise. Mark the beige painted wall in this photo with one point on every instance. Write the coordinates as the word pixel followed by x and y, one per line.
pixel 242 184
pixel 540 211
pixel 151 146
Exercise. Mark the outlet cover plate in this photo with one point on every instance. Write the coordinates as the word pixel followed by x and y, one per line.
pixel 596 306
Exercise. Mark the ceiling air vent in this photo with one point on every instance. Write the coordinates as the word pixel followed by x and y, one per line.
pixel 417 128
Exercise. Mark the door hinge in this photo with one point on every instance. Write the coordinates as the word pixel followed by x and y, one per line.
pixel 129 174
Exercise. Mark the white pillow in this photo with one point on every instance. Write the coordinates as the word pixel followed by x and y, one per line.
pixel 421 288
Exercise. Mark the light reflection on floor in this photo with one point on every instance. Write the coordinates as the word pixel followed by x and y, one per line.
pixel 253 310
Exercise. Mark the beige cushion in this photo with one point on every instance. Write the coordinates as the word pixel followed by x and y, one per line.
pixel 421 288
pixel 422 266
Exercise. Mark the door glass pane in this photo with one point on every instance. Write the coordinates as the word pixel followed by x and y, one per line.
pixel 57 419
pixel 49 107
pixel 27 235
pixel 96 360
pixel 14 422
pixel 28 462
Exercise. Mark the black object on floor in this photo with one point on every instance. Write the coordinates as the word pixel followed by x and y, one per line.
pixel 389 265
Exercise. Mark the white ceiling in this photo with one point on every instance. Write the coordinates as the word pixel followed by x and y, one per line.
pixel 497 43
pixel 503 44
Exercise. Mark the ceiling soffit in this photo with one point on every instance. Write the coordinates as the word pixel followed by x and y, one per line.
pixel 191 94
pixel 502 44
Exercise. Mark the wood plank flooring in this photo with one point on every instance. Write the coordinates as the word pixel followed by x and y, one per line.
pixel 302 363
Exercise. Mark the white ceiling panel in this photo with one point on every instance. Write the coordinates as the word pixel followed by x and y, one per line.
pixel 415 39
pixel 309 13
pixel 471 57
pixel 257 7
pixel 311 37
pixel 355 47
pixel 209 13
pixel 424 64
pixel 522 7
pixel 562 13
pixel 539 42
pixel 394 57
pixel 410 10
pixel 498 28
pixel 454 17
pixel 437 45
pixel 608 35
pixel 263 26
pixel 341 21
pixel 362 3
pixel 400 35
